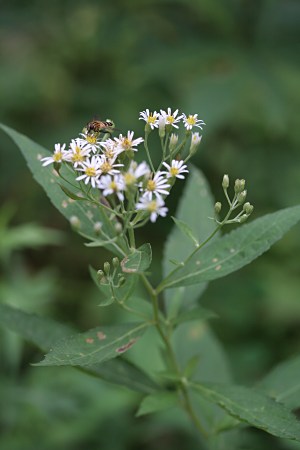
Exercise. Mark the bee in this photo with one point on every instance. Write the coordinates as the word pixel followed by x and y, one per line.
pixel 97 126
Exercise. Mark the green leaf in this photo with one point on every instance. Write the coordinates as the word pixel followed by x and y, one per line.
pixel 94 346
pixel 44 333
pixel 120 294
pixel 198 313
pixel 158 401
pixel 283 383
pixel 234 250
pixel 186 230
pixel 86 215
pixel 252 407
pixel 138 261
pixel 195 206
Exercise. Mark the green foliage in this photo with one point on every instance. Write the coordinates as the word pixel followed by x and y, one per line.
pixel 156 402
pixel 234 250
pixel 138 261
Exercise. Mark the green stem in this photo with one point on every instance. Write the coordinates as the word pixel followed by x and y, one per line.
pixel 148 153
pixel 182 388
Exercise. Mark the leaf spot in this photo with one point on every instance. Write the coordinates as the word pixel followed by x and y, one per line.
pixel 38 156
pixel 198 262
pixel 71 200
pixel 64 204
pixel 101 336
pixel 215 260
pixel 127 346
pixel 90 215
pixel 89 340
pixel 218 267
pixel 232 250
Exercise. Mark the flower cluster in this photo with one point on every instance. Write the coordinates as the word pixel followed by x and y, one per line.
pixel 136 191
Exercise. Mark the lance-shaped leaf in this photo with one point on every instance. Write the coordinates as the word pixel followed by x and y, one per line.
pixel 138 261
pixel 234 250
pixel 195 206
pixel 158 401
pixel 44 333
pixel 252 407
pixel 94 346
pixel 86 217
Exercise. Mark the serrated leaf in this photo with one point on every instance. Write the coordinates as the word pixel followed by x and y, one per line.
pixel 158 401
pixel 120 294
pixel 44 333
pixel 234 250
pixel 94 346
pixel 283 383
pixel 138 261
pixel 198 313
pixel 87 215
pixel 186 230
pixel 252 407
pixel 195 206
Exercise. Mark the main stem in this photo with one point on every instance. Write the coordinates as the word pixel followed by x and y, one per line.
pixel 181 387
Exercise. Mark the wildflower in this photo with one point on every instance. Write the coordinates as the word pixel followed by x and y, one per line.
pixel 176 169
pixel 169 118
pixel 156 186
pixel 150 118
pixel 110 149
pixel 128 143
pixel 58 156
pixel 91 140
pixel 112 185
pixel 195 142
pixel 78 152
pixel 91 170
pixel 108 166
pixel 155 207
pixel 135 171
pixel 192 121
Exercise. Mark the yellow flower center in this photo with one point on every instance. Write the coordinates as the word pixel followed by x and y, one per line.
pixel 170 119
pixel 127 143
pixel 57 157
pixel 109 153
pixel 151 119
pixel 191 120
pixel 106 167
pixel 77 155
pixel 174 171
pixel 152 206
pixel 129 178
pixel 90 171
pixel 113 186
pixel 91 139
pixel 151 185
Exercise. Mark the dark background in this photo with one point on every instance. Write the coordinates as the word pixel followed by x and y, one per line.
pixel 236 64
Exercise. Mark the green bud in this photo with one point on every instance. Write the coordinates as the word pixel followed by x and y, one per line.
pixel 239 185
pixel 241 197
pixel 243 218
pixel 121 281
pixel 100 275
pixel 225 182
pixel 106 267
pixel 195 142
pixel 116 262
pixel 173 141
pixel 118 228
pixel 218 207
pixel 248 208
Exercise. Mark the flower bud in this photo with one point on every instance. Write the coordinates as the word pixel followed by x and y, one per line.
pixel 106 267
pixel 243 218
pixel 173 141
pixel 195 142
pixel 118 228
pixel 100 275
pixel 161 126
pixel 218 207
pixel 248 208
pixel 121 281
pixel 239 185
pixel 116 262
pixel 241 197
pixel 225 182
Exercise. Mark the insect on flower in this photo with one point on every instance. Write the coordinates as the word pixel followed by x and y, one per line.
pixel 97 126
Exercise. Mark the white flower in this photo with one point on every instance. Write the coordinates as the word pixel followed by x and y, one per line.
pixel 155 207
pixel 176 169
pixel 150 118
pixel 78 152
pixel 91 140
pixel 192 121
pixel 91 169
pixel 156 186
pixel 58 156
pixel 112 185
pixel 135 171
pixel 107 166
pixel 110 149
pixel 128 143
pixel 196 139
pixel 170 118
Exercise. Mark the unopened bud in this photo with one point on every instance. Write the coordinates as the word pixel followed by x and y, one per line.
pixel 116 262
pixel 239 185
pixel 161 126
pixel 218 207
pixel 225 182
pixel 118 228
pixel 173 141
pixel 106 267
pixel 195 142
pixel 241 197
pixel 248 208
pixel 121 281
pixel 100 275
pixel 243 218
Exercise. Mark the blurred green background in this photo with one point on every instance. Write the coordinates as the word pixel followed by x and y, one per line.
pixel 236 64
